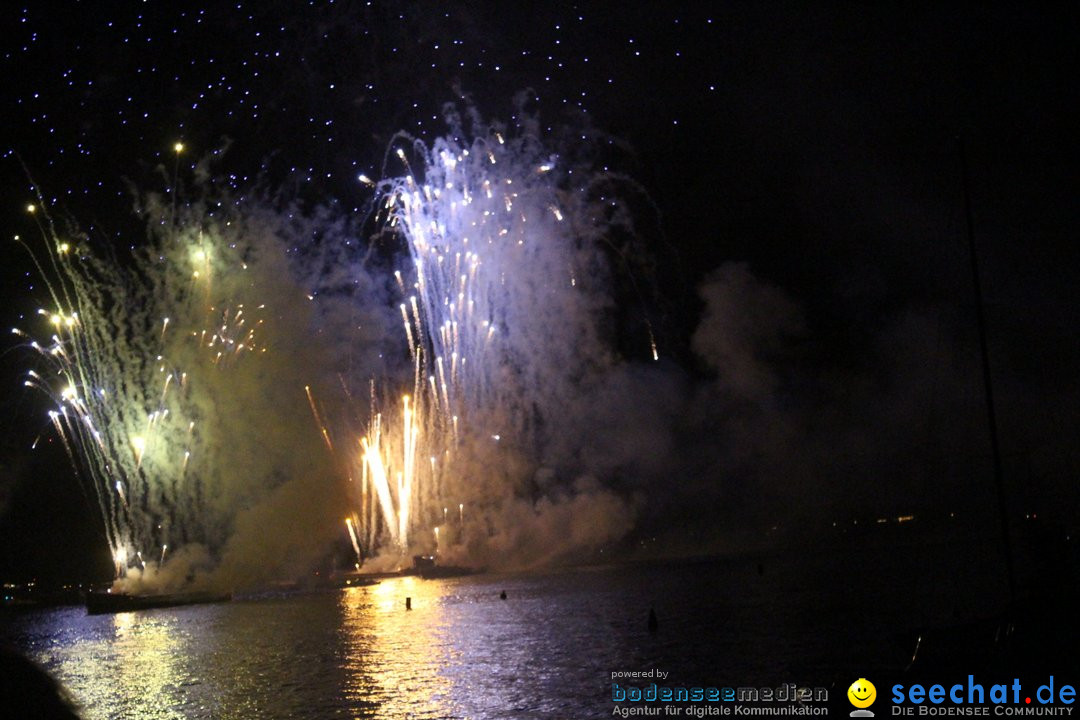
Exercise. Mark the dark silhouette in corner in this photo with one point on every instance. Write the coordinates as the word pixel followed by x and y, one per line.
pixel 28 691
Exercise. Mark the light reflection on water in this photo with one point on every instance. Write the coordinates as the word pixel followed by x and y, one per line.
pixel 127 665
pixel 548 651
pixel 395 661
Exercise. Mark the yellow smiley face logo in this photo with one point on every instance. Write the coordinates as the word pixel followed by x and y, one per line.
pixel 862 693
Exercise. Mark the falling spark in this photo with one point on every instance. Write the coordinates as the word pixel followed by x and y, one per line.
pixel 652 342
pixel 318 419
pixel 355 542
pixel 139 443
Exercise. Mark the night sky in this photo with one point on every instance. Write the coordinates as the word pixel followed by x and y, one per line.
pixel 810 286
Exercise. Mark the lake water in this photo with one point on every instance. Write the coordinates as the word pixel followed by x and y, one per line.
pixel 547 651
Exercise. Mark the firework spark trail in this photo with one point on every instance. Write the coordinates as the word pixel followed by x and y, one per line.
pixel 490 248
pixel 87 400
pixel 392 474
pixel 318 419
pixel 353 538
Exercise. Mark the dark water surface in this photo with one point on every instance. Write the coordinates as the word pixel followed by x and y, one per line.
pixel 547 651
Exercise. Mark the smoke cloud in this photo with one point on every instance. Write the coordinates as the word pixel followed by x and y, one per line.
pixel 444 372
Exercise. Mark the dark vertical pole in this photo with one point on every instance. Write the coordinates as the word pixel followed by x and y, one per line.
pixel 991 414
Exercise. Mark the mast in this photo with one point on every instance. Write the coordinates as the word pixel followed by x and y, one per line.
pixel 988 386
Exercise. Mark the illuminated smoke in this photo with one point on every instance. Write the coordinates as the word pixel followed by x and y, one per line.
pixel 501 305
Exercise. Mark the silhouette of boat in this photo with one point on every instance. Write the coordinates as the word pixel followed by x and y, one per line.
pixel 101 603
pixel 353 578
pixel 425 567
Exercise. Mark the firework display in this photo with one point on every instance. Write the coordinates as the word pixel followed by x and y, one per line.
pixel 500 302
pixel 163 365
pixel 146 360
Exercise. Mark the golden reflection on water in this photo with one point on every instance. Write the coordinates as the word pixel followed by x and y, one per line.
pixel 154 655
pixel 137 670
pixel 394 658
